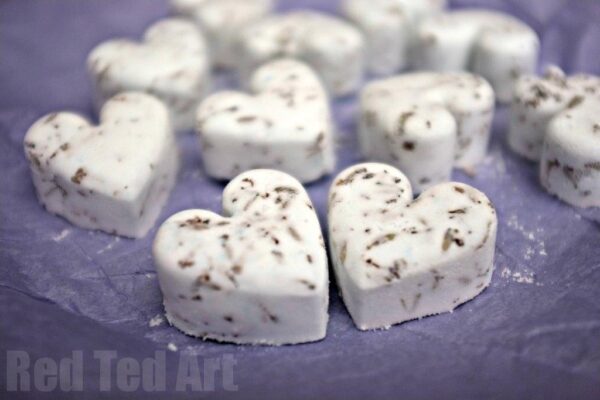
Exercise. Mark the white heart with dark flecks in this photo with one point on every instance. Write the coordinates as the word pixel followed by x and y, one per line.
pixel 334 48
pixel 284 124
pixel 397 259
pixel 113 177
pixel 426 123
pixel 256 275
pixel 556 119
pixel 493 44
pixel 171 63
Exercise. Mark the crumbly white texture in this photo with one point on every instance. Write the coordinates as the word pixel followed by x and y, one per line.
pixel 256 275
pixel 492 44
pixel 427 123
pixel 172 347
pixel 171 63
pixel 285 124
pixel 397 259
pixel 113 177
pixel 222 22
pixel 390 28
pixel 332 47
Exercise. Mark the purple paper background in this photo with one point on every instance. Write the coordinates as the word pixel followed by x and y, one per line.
pixel 535 333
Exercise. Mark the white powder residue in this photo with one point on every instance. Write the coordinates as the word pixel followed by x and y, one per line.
pixel 63 234
pixel 526 277
pixel 531 236
pixel 156 321
pixel 172 347
pixel 513 223
pixel 542 251
pixel 529 253
pixel 109 246
pixel 520 278
pixel 538 246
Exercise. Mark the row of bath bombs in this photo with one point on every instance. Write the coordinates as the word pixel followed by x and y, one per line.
pixel 424 124
pixel 381 37
pixel 259 275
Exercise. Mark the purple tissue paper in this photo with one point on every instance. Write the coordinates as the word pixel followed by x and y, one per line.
pixel 534 333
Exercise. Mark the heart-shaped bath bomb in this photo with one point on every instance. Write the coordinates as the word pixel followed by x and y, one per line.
pixel 389 27
pixel 397 259
pixel 114 177
pixel 222 22
pixel 171 63
pixel 556 119
pixel 256 275
pixel 492 44
pixel 332 47
pixel 426 123
pixel 284 124
pixel 539 99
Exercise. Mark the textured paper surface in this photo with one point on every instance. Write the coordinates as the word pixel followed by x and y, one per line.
pixel 534 333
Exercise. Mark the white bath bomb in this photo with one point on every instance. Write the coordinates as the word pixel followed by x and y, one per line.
pixel 538 100
pixel 555 119
pixel 332 47
pixel 390 28
pixel 285 124
pixel 222 22
pixel 256 275
pixel 492 44
pixel 427 123
pixel 113 177
pixel 396 259
pixel 170 63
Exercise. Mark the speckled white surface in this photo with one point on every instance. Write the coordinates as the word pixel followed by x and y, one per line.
pixel 397 259
pixel 495 45
pixel 285 123
pixel 171 63
pixel 256 275
pixel 389 27
pixel 426 123
pixel 114 177
pixel 555 120
pixel 333 47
